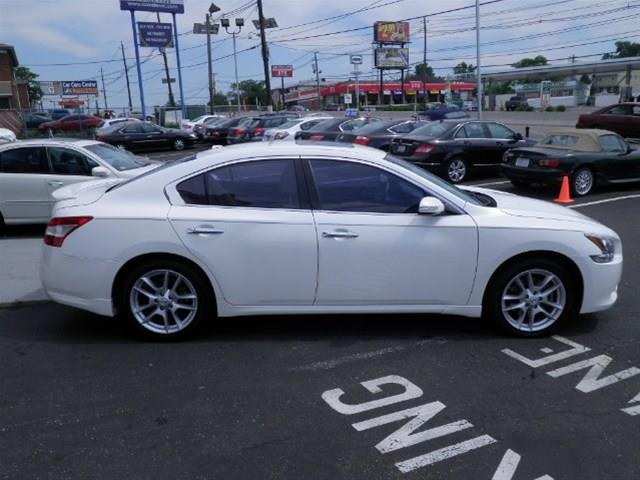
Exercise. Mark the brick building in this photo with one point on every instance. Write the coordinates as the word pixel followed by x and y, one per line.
pixel 14 94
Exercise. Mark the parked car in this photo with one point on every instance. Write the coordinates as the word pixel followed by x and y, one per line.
pixel 287 131
pixel 296 108
pixel 71 122
pixel 515 102
pixel 313 228
pixel 31 170
pixel 218 132
pixel 110 122
pixel 147 136
pixel 328 130
pixel 588 157
pixel 380 134
pixel 201 128
pixel 443 112
pixel 34 120
pixel 623 119
pixel 251 129
pixel 452 148
pixel 7 136
pixel 188 125
pixel 58 113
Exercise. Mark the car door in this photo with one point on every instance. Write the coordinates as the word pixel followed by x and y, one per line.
pixel 615 162
pixel 476 144
pixel 616 119
pixel 375 249
pixel 154 137
pixel 132 136
pixel 250 224
pixel 24 195
pixel 503 139
pixel 68 166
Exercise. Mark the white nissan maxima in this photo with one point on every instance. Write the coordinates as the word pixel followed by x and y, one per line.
pixel 291 228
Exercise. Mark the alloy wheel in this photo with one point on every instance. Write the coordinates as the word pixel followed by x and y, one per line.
pixel 583 181
pixel 178 144
pixel 163 301
pixel 533 300
pixel 456 170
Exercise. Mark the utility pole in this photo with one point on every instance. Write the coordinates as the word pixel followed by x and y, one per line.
pixel 479 79
pixel 166 70
pixel 210 67
pixel 319 99
pixel 424 60
pixel 265 57
pixel 104 91
pixel 126 74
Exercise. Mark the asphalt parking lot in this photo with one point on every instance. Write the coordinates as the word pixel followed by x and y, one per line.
pixel 419 396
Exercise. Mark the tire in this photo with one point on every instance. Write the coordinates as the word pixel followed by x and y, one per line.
pixel 152 312
pixel 521 184
pixel 582 182
pixel 456 170
pixel 508 306
pixel 179 144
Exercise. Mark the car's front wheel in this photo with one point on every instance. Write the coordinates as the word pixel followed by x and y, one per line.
pixel 531 297
pixel 165 299
pixel 178 144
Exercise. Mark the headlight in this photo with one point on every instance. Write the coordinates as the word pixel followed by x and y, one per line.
pixel 281 135
pixel 606 246
pixel 193 135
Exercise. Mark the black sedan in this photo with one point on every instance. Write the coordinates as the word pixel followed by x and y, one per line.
pixel 147 136
pixel 251 129
pixel 588 157
pixel 380 134
pixel 217 133
pixel 452 148
pixel 329 130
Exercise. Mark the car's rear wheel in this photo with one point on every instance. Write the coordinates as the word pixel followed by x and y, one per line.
pixel 178 144
pixel 456 170
pixel 582 182
pixel 531 297
pixel 165 299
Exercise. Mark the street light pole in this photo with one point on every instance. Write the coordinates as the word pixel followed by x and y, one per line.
pixel 210 67
pixel 265 56
pixel 226 23
pixel 479 78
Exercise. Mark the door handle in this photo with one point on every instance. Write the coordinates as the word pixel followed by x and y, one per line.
pixel 203 230
pixel 340 234
pixel 55 183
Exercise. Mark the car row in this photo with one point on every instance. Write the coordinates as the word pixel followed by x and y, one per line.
pixel 138 135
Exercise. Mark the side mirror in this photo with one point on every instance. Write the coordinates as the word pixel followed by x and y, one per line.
pixel 517 137
pixel 430 206
pixel 99 172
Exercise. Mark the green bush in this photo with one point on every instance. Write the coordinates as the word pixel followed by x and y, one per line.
pixel 549 109
pixel 561 108
pixel 530 108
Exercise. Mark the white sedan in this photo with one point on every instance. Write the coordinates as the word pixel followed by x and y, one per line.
pixel 287 131
pixel 293 228
pixel 31 170
pixel 188 125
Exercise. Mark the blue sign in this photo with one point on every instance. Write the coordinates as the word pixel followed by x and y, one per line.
pixel 351 113
pixel 162 6
pixel 156 35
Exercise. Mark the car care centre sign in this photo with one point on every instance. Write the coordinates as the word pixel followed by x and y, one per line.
pixel 80 87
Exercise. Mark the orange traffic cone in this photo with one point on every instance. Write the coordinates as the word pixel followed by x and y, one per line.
pixel 565 193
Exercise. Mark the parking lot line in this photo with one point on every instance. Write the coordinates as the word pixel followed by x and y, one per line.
pixel 605 200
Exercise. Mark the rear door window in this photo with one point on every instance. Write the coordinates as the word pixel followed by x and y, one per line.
pixel 619 110
pixel 65 161
pixel 133 128
pixel 24 160
pixel 499 131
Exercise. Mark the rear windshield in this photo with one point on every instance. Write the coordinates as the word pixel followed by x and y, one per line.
pixel 561 140
pixel 325 125
pixel 375 126
pixel 291 123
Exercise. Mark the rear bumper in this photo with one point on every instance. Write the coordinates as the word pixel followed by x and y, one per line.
pixel 548 175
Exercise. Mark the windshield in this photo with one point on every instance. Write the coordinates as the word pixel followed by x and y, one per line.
pixel 452 189
pixel 290 123
pixel 432 129
pixel 152 171
pixel 118 159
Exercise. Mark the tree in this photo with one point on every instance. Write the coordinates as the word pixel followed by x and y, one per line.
pixel 220 99
pixel 33 87
pixel 531 62
pixel 423 72
pixel 250 91
pixel 499 88
pixel 462 68
pixel 624 50
pixel 585 79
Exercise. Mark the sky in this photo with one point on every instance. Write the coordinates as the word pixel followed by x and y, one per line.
pixel 73 39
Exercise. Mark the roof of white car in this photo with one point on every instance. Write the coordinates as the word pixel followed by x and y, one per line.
pixel 51 142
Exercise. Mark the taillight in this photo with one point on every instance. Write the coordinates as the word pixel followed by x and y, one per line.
pixel 362 140
pixel 423 149
pixel 316 137
pixel 258 132
pixel 238 132
pixel 59 228
pixel 549 162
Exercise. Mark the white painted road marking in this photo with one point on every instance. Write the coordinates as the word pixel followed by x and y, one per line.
pixel 633 411
pixel 444 453
pixel 606 200
pixel 509 465
pixel 576 350
pixel 596 366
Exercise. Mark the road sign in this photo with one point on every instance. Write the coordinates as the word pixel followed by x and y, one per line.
pixel 355 59
pixel 282 70
pixel 201 28
pixel 347 98
pixel 166 6
pixel 172 80
pixel 158 35
pixel 80 87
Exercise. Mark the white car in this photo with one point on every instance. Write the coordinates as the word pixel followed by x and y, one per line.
pixel 293 228
pixel 7 136
pixel 287 131
pixel 189 124
pixel 109 122
pixel 31 170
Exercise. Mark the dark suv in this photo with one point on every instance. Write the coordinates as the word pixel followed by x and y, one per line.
pixel 251 129
pixel 515 103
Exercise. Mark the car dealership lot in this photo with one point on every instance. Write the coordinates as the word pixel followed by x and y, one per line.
pixel 248 397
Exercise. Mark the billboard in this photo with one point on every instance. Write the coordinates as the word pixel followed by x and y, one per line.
pixel 154 34
pixel 51 88
pixel 282 70
pixel 80 87
pixel 166 6
pixel 392 57
pixel 391 32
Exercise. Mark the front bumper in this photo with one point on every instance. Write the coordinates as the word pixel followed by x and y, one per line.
pixel 601 282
